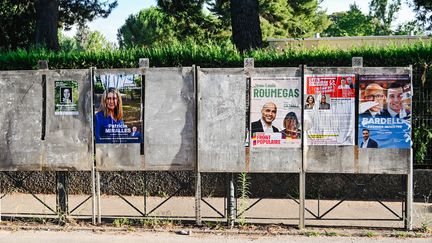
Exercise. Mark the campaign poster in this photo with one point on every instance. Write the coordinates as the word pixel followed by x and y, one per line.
pixel 118 114
pixel 329 109
pixel 385 111
pixel 275 112
pixel 66 98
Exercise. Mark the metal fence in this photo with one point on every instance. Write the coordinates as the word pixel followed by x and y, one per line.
pixel 194 120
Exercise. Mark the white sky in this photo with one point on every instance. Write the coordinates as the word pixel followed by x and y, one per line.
pixel 109 26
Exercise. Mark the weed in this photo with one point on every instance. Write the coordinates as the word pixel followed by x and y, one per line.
pixel 244 192
pixel 370 234
pixel 401 234
pixel 331 233
pixel 425 228
pixel 121 222
pixel 311 233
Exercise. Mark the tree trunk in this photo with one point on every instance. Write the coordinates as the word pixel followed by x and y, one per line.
pixel 246 30
pixel 47 16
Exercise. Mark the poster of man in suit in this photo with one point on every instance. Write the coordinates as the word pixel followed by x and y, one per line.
pixel 275 112
pixel 385 110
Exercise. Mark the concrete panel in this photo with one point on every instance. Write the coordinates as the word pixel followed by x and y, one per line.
pixel 328 159
pixel 221 120
pixel 69 138
pixel 169 123
pixel 20 120
pixel 276 159
pixel 117 157
pixel 384 161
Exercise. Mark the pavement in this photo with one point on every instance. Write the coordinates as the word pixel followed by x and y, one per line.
pixel 107 237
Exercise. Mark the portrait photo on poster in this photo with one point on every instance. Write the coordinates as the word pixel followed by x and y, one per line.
pixel 66 98
pixel 118 114
pixel 275 112
pixel 329 109
pixel 385 111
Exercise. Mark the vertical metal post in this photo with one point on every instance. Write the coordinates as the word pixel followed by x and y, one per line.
pixel 62 195
pixel 198 194
pixel 98 198
pixel 93 181
pixel 1 178
pixel 302 185
pixel 93 169
pixel 302 180
pixel 410 183
pixel 198 199
pixel 145 193
pixel 409 195
pixel 231 200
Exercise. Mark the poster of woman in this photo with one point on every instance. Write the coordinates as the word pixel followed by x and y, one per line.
pixel 118 115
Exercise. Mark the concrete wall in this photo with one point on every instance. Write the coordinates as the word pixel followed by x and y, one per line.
pixel 344 43
pixel 170 121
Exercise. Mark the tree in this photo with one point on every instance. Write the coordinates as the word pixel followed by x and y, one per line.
pixel 281 18
pixel 44 17
pixel 350 23
pixel 423 9
pixel 407 27
pixel 383 12
pixel 16 18
pixel 148 27
pixel 245 23
pixel 47 18
pixel 84 40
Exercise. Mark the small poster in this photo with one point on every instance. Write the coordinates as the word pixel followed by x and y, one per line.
pixel 118 114
pixel 275 112
pixel 385 111
pixel 329 109
pixel 66 98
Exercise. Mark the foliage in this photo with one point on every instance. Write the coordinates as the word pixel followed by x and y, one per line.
pixel 244 193
pixel 84 40
pixel 350 23
pixel 422 142
pixel 147 27
pixel 17 24
pixel 383 12
pixel 423 9
pixel 18 18
pixel 280 18
pixel 406 28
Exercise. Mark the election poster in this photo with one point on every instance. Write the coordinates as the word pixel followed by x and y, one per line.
pixel 385 111
pixel 118 108
pixel 66 98
pixel 275 112
pixel 329 109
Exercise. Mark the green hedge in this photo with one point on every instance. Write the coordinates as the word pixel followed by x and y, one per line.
pixel 217 55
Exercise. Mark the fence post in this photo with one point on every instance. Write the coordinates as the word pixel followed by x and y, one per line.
pixel 62 195
pixel 231 200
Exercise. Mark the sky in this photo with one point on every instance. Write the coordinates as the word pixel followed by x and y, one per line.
pixel 109 26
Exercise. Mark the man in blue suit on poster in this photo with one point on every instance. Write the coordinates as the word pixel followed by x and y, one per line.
pixel 367 141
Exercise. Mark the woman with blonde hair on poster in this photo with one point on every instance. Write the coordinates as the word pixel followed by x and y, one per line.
pixel 109 118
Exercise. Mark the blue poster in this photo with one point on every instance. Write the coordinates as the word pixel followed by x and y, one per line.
pixel 385 111
pixel 118 108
